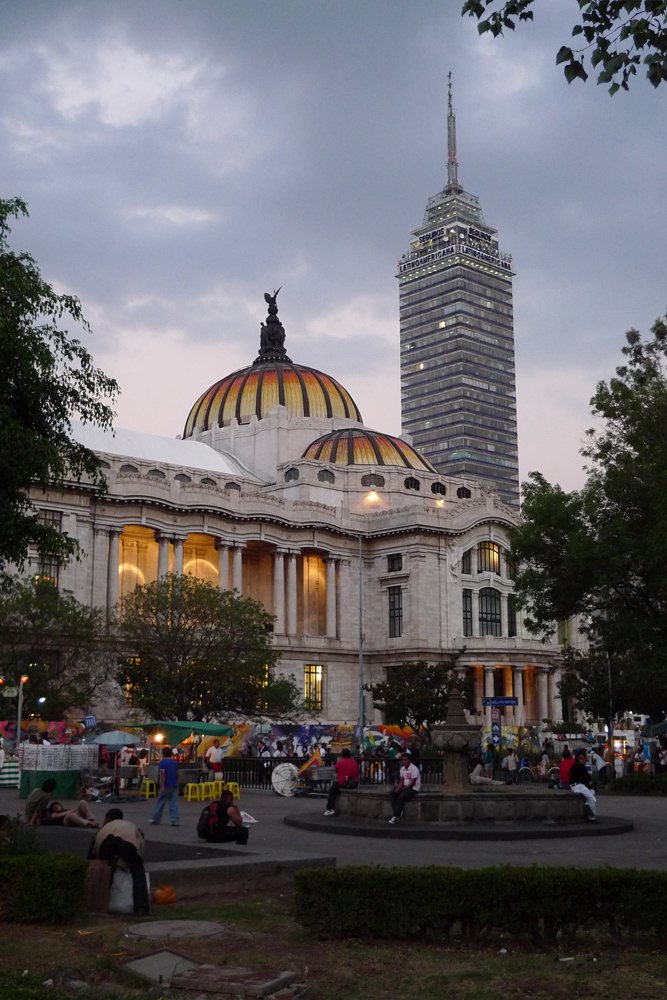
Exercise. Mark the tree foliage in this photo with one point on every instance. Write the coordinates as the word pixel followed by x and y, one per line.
pixel 198 652
pixel 601 552
pixel 416 694
pixel 58 642
pixel 619 36
pixel 48 378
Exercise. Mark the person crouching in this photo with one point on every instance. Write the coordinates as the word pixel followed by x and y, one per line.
pixel 222 823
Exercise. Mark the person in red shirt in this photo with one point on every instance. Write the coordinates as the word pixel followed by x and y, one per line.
pixel 347 776
pixel 564 769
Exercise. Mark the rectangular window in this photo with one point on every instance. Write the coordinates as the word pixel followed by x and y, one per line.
pixel 511 615
pixel 510 567
pixel 466 565
pixel 312 687
pixel 51 519
pixel 394 563
pixel 490 622
pixel 130 689
pixel 395 612
pixel 488 557
pixel 499 683
pixel 467 612
pixel 49 567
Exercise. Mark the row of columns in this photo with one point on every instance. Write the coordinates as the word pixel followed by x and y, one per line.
pixel 546 693
pixel 285 610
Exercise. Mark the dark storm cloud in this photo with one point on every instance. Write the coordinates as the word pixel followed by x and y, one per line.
pixel 181 159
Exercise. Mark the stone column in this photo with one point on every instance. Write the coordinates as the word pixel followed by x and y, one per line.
pixel 237 567
pixel 557 702
pixel 291 592
pixel 279 591
pixel 223 565
pixel 67 570
pixel 517 686
pixel 178 554
pixel 331 597
pixel 488 690
pixel 112 571
pixel 162 554
pixel 475 613
pixel 542 700
pixel 503 615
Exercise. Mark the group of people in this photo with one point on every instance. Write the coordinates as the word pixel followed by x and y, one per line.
pixel 347 776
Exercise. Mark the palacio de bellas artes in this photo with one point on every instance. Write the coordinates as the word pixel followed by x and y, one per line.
pixel 277 489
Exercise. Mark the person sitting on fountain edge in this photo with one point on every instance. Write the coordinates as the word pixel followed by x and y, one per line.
pixel 409 784
pixel 580 784
pixel 347 776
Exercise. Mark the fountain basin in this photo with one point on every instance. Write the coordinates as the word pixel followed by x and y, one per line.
pixel 482 804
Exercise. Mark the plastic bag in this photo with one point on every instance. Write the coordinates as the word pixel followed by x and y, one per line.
pixel 164 894
pixel 247 818
pixel 121 896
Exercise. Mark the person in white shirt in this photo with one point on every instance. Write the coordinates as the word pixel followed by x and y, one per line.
pixel 214 757
pixel 409 784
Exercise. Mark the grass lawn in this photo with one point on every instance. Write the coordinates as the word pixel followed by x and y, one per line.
pixel 261 933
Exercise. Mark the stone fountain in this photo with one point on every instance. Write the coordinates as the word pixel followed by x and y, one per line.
pixel 457 739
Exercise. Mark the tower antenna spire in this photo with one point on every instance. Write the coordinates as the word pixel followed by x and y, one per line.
pixel 452 162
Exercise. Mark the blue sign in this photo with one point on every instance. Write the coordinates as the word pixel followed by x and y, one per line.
pixel 495 734
pixel 499 702
pixel 90 721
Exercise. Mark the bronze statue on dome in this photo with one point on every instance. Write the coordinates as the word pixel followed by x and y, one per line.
pixel 272 334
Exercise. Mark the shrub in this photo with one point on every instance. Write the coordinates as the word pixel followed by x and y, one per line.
pixel 16 837
pixel 639 784
pixel 41 888
pixel 537 901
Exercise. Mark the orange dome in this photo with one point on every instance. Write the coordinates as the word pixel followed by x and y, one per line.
pixel 273 379
pixel 257 389
pixel 364 447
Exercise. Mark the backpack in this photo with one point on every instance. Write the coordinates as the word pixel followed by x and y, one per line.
pixel 207 824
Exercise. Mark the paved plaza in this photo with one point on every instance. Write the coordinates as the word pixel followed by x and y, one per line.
pixel 645 847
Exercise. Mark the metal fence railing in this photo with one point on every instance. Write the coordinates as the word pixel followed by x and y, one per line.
pixel 255 772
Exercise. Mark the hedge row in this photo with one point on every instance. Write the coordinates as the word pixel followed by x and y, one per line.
pixel 639 784
pixel 41 888
pixel 370 901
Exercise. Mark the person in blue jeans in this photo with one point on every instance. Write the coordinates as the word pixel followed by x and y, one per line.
pixel 168 774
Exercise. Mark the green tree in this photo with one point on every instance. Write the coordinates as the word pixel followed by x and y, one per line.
pixel 617 33
pixel 48 378
pixel 198 652
pixel 600 553
pixel 416 694
pixel 59 643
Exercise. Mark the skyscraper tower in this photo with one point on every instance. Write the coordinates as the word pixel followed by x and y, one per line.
pixel 458 395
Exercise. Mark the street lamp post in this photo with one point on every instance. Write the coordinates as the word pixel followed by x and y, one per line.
pixel 19 714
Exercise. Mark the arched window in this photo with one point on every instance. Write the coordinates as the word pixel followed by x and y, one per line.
pixel 207 481
pixel 128 469
pixel 488 557
pixel 325 476
pixel 232 486
pixel 291 475
pixel 463 493
pixel 156 474
pixel 104 465
pixel 411 483
pixel 489 612
pixel 439 488
pixel 181 477
pixel 372 479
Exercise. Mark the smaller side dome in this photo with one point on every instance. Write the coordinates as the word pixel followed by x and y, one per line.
pixel 363 447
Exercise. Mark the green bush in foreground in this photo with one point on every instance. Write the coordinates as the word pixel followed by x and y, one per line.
pixel 369 901
pixel 639 784
pixel 41 888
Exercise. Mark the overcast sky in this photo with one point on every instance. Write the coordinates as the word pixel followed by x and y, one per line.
pixel 180 159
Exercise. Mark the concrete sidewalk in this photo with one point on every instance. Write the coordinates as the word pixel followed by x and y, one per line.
pixel 645 847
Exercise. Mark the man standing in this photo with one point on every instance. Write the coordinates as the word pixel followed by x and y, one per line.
pixel 580 784
pixel 168 772
pixel 410 781
pixel 347 776
pixel 214 756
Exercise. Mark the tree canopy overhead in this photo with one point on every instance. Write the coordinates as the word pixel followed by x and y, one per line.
pixel 198 652
pixel 48 378
pixel 618 36
pixel 61 645
pixel 601 552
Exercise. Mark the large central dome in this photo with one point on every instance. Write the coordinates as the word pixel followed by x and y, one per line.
pixel 273 379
